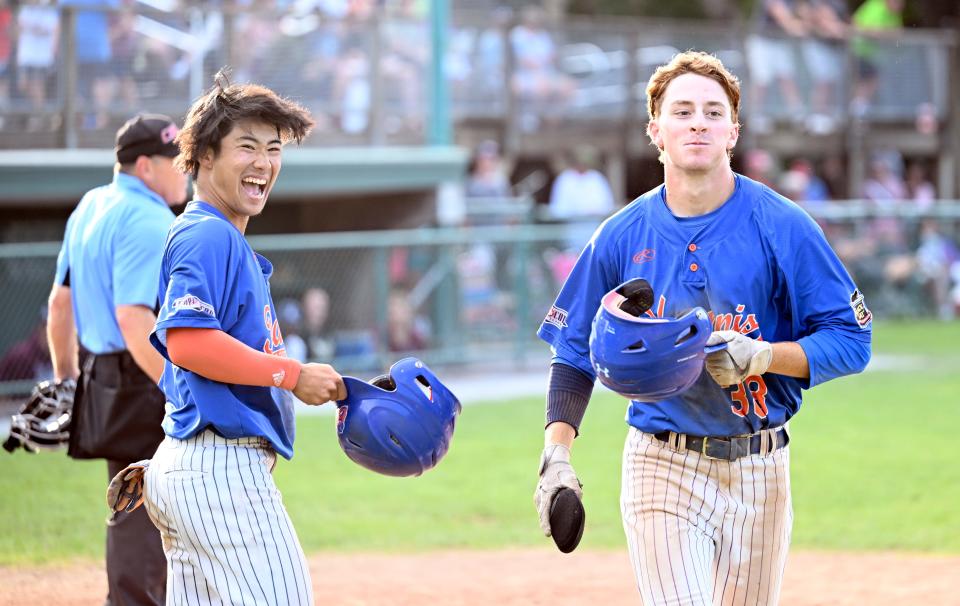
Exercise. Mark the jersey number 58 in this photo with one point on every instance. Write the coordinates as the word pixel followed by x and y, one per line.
pixel 758 392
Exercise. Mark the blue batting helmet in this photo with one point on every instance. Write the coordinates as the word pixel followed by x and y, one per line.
pixel 398 424
pixel 646 358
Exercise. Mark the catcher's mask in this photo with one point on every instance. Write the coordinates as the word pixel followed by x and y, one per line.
pixel 400 423
pixel 43 421
pixel 644 358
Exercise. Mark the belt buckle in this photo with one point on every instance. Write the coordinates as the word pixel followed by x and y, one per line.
pixel 703 448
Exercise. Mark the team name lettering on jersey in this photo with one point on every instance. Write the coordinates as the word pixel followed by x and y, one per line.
pixel 273 345
pixel 735 322
pixel 739 322
pixel 195 303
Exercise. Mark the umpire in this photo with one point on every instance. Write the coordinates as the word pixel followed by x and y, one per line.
pixel 104 296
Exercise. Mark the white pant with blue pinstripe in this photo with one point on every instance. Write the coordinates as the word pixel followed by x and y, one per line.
pixel 705 532
pixel 226 534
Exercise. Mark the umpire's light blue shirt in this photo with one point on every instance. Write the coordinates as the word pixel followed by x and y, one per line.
pixel 112 247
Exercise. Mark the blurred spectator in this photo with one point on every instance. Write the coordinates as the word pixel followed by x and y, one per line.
pixel 476 273
pixel 487 178
pixel 38 27
pixel 884 186
pixel 256 28
pixel 315 305
pixel 770 53
pixel 580 196
pixel 403 64
pixel 351 89
pixel 288 312
pixel 580 190
pixel 124 45
pixel 6 46
pixel 919 188
pixel 802 185
pixel 408 331
pixel 759 166
pixel 936 257
pixel 824 52
pixel 834 173
pixel 95 78
pixel 29 358
pixel 876 19
pixel 541 88
pixel 475 62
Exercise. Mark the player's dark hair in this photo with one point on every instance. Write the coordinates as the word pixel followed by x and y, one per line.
pixel 213 116
pixel 692 62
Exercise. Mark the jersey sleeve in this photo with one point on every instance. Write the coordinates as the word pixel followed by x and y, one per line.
pixel 830 315
pixel 566 327
pixel 63 259
pixel 196 269
pixel 136 267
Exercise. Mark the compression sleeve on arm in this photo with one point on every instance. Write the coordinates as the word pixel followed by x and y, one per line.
pixel 217 356
pixel 568 393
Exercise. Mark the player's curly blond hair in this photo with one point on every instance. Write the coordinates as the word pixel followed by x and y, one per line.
pixel 692 62
pixel 213 116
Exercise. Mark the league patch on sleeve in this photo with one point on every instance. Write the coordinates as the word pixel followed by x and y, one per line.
pixel 195 303
pixel 860 311
pixel 557 317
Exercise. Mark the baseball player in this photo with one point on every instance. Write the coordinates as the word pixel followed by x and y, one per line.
pixel 103 299
pixel 209 489
pixel 705 496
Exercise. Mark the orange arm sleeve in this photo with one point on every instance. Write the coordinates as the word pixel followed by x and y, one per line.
pixel 214 354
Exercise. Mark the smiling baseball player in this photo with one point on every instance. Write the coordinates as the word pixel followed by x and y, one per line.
pixel 705 496
pixel 209 488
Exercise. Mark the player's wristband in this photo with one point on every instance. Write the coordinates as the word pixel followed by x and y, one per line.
pixel 214 354
pixel 568 393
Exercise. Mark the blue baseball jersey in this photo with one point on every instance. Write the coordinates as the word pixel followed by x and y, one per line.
pixel 111 249
pixel 211 278
pixel 758 264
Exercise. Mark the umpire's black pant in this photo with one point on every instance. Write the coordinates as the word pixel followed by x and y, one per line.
pixel 136 566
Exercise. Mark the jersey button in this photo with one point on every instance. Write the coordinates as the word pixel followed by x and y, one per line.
pixel 692 248
pixel 694 267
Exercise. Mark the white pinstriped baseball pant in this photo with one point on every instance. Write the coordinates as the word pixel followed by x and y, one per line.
pixel 226 534
pixel 703 531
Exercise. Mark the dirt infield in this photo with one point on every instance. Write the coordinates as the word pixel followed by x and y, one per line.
pixel 537 576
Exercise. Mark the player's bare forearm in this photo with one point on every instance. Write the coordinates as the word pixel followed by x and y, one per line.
pixel 789 360
pixel 136 322
pixel 559 432
pixel 62 334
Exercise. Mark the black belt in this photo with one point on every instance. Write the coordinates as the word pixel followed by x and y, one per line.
pixel 727 449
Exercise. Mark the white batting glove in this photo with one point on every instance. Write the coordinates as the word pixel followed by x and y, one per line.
pixel 555 473
pixel 743 357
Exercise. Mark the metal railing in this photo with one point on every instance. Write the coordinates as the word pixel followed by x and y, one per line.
pixel 473 294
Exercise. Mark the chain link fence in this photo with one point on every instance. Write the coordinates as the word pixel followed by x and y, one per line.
pixel 458 296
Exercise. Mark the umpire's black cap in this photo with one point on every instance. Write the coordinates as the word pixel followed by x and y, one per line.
pixel 146 135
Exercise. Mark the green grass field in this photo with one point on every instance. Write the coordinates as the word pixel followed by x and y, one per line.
pixel 874 468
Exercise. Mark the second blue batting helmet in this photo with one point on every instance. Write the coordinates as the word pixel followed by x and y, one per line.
pixel 398 424
pixel 644 358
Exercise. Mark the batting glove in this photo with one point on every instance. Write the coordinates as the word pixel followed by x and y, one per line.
pixel 743 357
pixel 555 473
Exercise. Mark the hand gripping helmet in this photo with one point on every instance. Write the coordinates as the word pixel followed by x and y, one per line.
pixel 644 358
pixel 400 423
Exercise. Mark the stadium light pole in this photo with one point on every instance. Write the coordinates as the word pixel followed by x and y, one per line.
pixel 440 127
